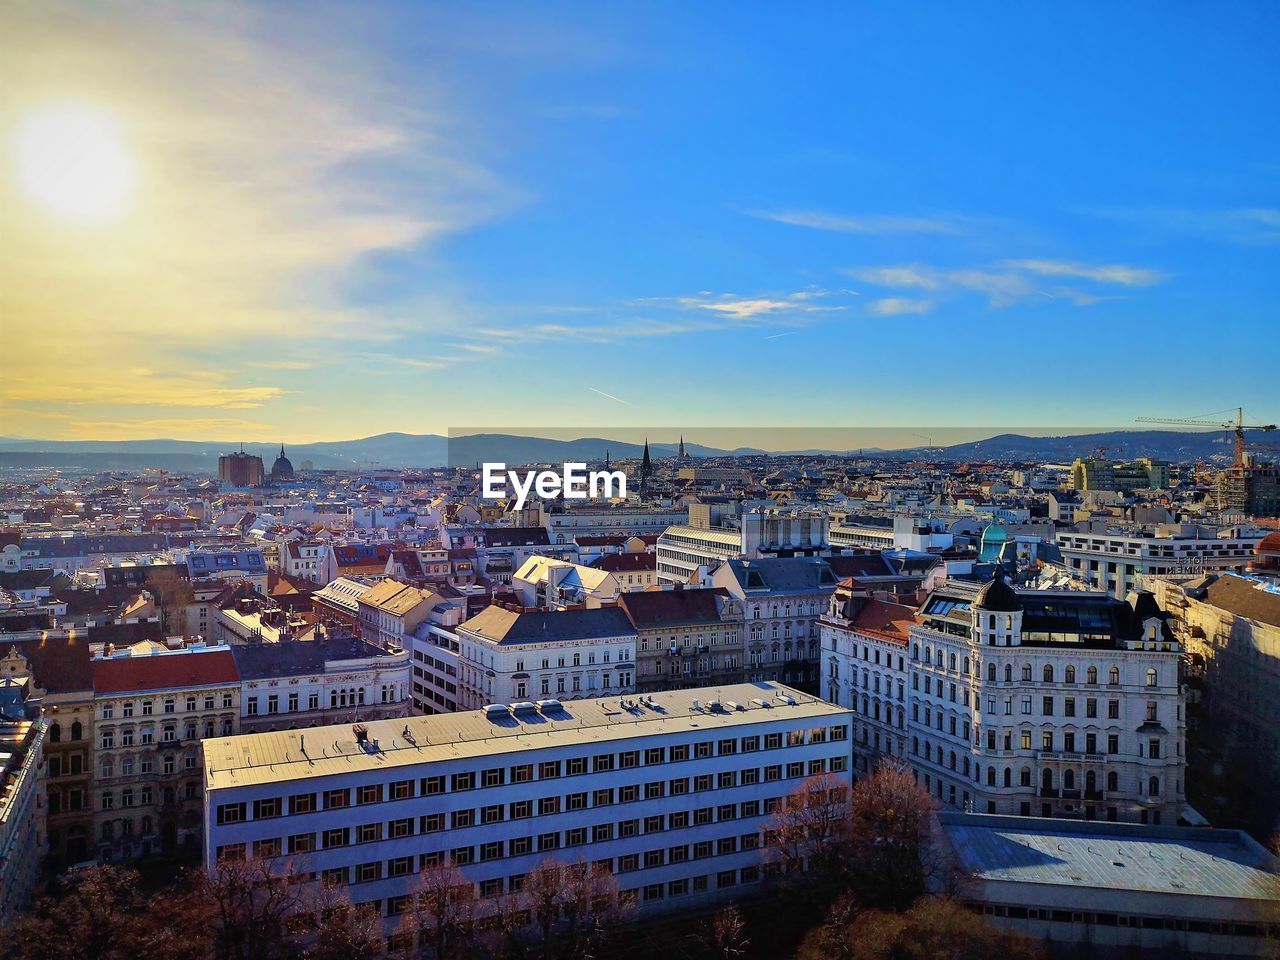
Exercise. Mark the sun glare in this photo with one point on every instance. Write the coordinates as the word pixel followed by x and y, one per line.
pixel 71 159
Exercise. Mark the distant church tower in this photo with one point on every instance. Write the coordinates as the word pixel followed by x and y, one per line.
pixel 646 469
pixel 682 446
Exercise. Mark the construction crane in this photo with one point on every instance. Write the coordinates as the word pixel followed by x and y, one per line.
pixel 1237 426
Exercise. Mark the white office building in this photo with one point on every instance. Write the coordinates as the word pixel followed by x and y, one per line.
pixel 671 794
pixel 1117 558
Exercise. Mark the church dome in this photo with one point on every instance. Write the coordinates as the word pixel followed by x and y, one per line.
pixel 282 469
pixel 998 597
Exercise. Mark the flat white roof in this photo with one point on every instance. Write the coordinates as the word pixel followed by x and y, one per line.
pixel 279 755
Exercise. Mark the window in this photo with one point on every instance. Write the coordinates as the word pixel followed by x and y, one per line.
pixel 266 809
pixel 334 799
pixel 1152 678
pixel 231 812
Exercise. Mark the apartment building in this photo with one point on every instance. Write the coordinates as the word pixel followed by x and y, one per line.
pixel 307 683
pixel 153 706
pixel 508 653
pixel 435 650
pixel 22 738
pixel 685 550
pixel 556 584
pixel 633 571
pixel 1229 626
pixel 672 794
pixel 58 671
pixel 685 638
pixel 566 524
pixel 1117 559
pixel 392 610
pixel 1048 703
pixel 865 640
pixel 781 599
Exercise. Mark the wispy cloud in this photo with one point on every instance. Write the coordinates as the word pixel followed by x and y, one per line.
pixel 746 308
pixel 1241 225
pixel 610 396
pixel 872 224
pixel 898 306
pixel 1118 273
pixel 281 364
pixel 1006 283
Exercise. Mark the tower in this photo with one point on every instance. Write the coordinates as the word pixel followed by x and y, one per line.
pixel 646 469
pixel 682 446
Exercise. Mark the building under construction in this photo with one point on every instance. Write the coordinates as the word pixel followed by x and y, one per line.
pixel 1251 488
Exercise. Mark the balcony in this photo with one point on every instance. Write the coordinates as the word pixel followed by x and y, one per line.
pixel 1050 792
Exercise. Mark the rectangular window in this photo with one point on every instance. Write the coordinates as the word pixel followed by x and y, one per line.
pixel 333 799
pixel 267 809
pixel 231 812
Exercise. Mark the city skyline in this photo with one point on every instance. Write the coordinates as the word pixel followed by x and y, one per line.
pixel 238 223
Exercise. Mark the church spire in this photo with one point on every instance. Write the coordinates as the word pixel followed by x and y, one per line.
pixel 646 468
pixel 682 446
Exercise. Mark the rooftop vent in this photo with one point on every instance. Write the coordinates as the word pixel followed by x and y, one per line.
pixel 494 710
pixel 524 706
pixel 713 706
pixel 762 703
pixel 789 701
pixel 550 706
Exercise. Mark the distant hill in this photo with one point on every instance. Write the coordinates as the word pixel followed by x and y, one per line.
pixel 406 450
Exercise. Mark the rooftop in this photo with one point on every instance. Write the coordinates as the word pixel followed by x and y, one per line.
pixel 333 751
pixel 1191 861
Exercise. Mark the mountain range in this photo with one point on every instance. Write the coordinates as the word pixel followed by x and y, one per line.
pixel 405 450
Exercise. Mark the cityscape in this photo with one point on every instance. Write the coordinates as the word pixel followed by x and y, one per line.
pixel 557 482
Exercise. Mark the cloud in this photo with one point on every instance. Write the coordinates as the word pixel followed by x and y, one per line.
pixel 1100 273
pixel 281 364
pixel 275 159
pixel 897 306
pixel 872 224
pixel 1011 281
pixel 1248 226
pixel 746 308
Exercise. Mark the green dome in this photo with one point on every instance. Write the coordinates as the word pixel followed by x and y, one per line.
pixel 994 538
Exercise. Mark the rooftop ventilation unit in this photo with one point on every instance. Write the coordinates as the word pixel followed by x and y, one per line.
pixel 713 706
pixel 550 706
pixel 789 701
pixel 732 705
pixel 762 703
pixel 697 705
pixel 493 711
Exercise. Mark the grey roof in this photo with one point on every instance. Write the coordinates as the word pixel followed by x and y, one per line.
pixel 504 625
pixel 80 546
pixel 784 574
pixel 1185 860
pixel 298 657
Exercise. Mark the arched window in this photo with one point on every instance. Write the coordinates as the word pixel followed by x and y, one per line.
pixel 55 732
pixel 991 672
pixel 1071 674
pixel 1152 678
pixel 1113 781
pixel 1091 781
pixel 1153 787
pixel 1048 673
pixel 1068 780
pixel 1008 776
pixel 1008 673
pixel 1024 776
pixel 1046 780
pixel 1113 676
pixel 1091 675
pixel 1026 671
pixel 77 731
pixel 991 776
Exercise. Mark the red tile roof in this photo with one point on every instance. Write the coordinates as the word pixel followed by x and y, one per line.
pixel 627 562
pixel 164 671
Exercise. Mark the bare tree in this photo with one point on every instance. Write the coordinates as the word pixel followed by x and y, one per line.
pixel 445 906
pixel 345 930
pixel 724 936
pixel 892 851
pixel 94 917
pixel 253 907
pixel 811 826
pixel 574 908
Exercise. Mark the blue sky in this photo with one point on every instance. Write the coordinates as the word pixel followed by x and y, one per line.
pixel 737 214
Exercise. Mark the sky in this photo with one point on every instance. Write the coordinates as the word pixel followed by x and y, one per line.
pixel 306 222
